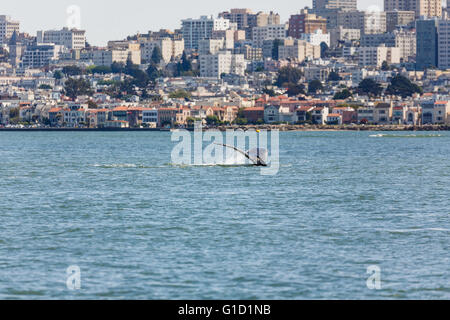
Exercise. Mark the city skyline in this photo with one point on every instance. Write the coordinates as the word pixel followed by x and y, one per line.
pixel 136 16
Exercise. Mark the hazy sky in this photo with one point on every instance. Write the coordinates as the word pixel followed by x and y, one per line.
pixel 110 20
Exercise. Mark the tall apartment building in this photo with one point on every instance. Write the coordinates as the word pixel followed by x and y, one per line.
pixel 335 4
pixel 343 34
pixel 7 28
pixel 195 30
pixel 375 56
pixel 427 8
pixel 211 46
pixel 230 36
pixel 427 44
pixel 306 23
pixel 214 65
pixel 443 44
pixel 261 19
pixel 366 21
pixel 398 18
pixel 404 40
pixel 316 38
pixel 269 32
pixel 299 50
pixel 71 39
pixel 108 57
pixel 374 22
pixel 238 16
pixel 40 55
pixel 170 49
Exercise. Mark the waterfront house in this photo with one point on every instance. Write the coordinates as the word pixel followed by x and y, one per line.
pixel 303 114
pixel 274 114
pixel 134 116
pixel 412 116
pixel 25 113
pixel 319 115
pixel 230 113
pixel 349 115
pixel 399 114
pixel 334 119
pixel 254 114
pixel 168 116
pixel 382 113
pixel 96 118
pixel 117 124
pixel 150 117
pixel 55 116
pixel 119 113
pixel 74 118
pixel 366 115
pixel 435 112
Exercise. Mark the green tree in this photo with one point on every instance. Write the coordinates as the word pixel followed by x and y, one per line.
pixel 314 86
pixel 14 115
pixel 403 87
pixel 117 67
pixel 241 121
pixel 4 55
pixel 270 92
pixel 212 120
pixel 99 69
pixel 58 75
pixel 324 50
pixel 156 55
pixel 287 75
pixel 334 76
pixel 342 95
pixel 92 105
pixel 295 89
pixel 385 66
pixel 180 94
pixel 186 64
pixel 45 87
pixel 153 72
pixel 370 87
pixel 72 71
pixel 77 87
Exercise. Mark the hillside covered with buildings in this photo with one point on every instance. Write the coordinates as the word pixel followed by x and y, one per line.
pixel 331 64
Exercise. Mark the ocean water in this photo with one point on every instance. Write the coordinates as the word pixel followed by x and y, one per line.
pixel 139 227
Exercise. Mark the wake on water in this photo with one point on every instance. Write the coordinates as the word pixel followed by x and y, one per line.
pixel 405 135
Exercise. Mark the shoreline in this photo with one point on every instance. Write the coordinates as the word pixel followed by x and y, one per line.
pixel 282 128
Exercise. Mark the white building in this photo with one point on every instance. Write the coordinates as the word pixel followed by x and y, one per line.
pixel 374 22
pixel 224 62
pixel 299 50
pixel 150 116
pixel 170 49
pixel 316 38
pixel 108 57
pixel 41 55
pixel 71 39
pixel 7 28
pixel 407 43
pixel 269 32
pixel 211 46
pixel 195 30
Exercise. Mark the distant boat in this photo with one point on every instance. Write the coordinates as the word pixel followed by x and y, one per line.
pixel 258 155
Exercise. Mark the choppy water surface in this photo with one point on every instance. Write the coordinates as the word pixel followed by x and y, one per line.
pixel 140 228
